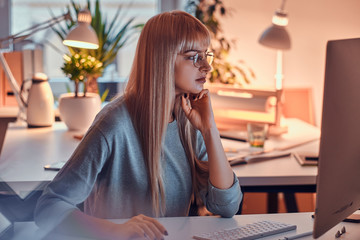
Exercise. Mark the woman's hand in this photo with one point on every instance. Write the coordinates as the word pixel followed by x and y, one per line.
pixel 140 227
pixel 198 110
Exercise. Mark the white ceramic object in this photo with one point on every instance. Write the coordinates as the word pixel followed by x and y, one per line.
pixel 40 103
pixel 78 113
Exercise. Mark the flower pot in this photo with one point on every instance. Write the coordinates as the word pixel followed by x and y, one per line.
pixel 78 113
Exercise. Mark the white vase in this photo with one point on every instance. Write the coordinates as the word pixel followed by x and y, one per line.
pixel 78 113
pixel 40 104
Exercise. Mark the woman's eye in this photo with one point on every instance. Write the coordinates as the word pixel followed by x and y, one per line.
pixel 190 58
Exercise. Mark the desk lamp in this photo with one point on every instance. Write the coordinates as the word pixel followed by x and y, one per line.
pixel 81 36
pixel 277 37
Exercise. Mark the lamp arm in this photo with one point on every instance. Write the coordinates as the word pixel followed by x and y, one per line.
pixel 16 38
pixel 35 28
pixel 279 87
pixel 282 5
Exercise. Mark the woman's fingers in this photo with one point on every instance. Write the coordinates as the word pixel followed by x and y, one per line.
pixel 203 93
pixel 148 228
pixel 185 104
pixel 156 224
pixel 148 232
pixel 151 230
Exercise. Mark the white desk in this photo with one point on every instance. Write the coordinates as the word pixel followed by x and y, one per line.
pixel 26 151
pixel 282 174
pixel 9 114
pixel 301 137
pixel 182 228
pixel 281 171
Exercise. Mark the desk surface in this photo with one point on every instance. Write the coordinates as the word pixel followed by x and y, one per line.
pixel 26 151
pixel 9 112
pixel 185 227
pixel 280 171
pixel 301 137
pixel 12 112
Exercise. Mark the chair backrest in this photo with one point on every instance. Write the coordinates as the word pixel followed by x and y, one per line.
pixel 298 103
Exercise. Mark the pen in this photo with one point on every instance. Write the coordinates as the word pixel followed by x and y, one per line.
pixel 233 138
pixel 298 235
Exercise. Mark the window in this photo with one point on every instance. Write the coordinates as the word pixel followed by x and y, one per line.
pixel 26 13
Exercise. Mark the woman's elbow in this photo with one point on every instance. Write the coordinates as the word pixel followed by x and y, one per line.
pixel 230 209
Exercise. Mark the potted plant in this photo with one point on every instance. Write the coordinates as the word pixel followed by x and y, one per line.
pixel 79 67
pixel 86 65
pixel 112 35
pixel 78 111
pixel 225 72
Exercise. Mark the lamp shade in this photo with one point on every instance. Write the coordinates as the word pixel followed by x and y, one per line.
pixel 82 35
pixel 275 37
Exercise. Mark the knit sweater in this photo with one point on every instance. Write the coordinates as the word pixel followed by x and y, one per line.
pixel 107 172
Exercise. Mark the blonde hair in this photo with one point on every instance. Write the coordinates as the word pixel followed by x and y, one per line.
pixel 150 95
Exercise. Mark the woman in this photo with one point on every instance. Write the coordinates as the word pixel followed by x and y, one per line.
pixel 149 152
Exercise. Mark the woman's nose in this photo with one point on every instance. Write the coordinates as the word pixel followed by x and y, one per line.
pixel 205 67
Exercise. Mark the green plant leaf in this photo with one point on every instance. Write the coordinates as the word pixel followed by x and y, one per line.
pixel 113 34
pixel 68 89
pixel 208 13
pixel 115 19
pixel 104 95
pixel 96 21
pixel 88 5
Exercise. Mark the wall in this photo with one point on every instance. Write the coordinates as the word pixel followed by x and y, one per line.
pixel 311 25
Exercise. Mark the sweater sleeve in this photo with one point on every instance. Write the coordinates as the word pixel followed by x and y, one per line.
pixel 223 202
pixel 74 182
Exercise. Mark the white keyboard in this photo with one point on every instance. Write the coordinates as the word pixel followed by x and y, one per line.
pixel 248 232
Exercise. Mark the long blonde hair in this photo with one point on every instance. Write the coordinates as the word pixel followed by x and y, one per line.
pixel 150 95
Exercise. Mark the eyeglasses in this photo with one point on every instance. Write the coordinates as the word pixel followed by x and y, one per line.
pixel 339 233
pixel 200 58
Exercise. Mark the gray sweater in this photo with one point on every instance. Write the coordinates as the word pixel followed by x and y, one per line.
pixel 107 173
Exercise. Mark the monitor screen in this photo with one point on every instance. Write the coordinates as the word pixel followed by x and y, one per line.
pixel 338 183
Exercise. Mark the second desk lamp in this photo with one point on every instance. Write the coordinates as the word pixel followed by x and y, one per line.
pixel 277 37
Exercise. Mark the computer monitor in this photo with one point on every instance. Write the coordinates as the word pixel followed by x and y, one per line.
pixel 338 180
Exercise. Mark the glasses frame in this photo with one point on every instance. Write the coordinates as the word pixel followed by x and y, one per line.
pixel 209 59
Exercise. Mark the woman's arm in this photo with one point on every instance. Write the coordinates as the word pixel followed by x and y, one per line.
pixel 56 209
pixel 220 172
pixel 199 112
pixel 223 194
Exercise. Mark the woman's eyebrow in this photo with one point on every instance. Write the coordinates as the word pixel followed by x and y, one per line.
pixel 192 50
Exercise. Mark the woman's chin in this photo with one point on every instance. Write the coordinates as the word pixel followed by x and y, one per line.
pixel 197 89
pixel 193 91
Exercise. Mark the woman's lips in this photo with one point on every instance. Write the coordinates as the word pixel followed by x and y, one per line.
pixel 201 80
